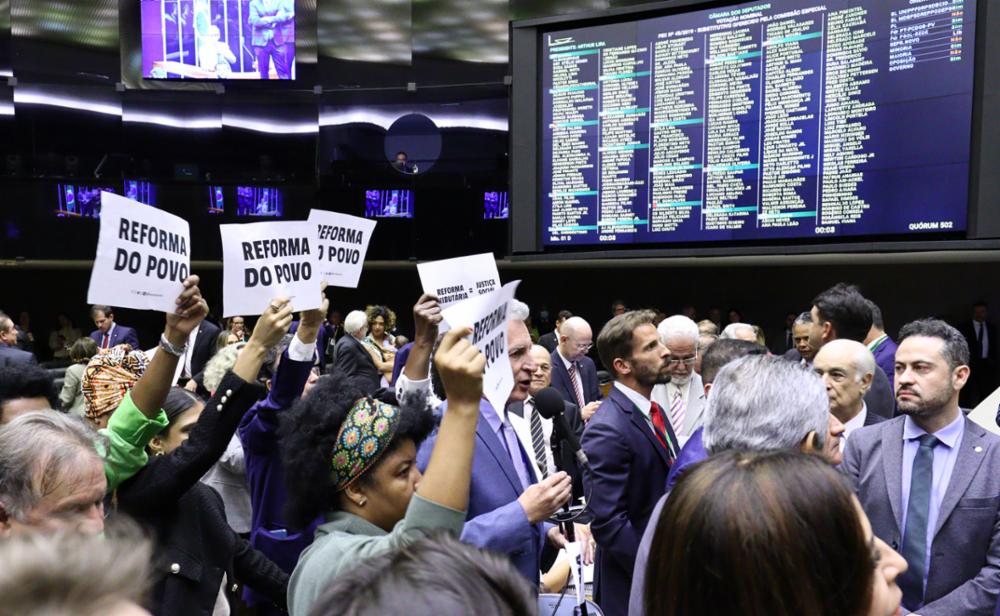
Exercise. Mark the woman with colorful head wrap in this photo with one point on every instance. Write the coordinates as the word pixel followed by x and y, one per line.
pixel 354 458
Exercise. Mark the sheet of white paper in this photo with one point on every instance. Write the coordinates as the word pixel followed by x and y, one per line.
pixel 143 256
pixel 576 569
pixel 986 413
pixel 264 260
pixel 341 245
pixel 487 315
pixel 459 279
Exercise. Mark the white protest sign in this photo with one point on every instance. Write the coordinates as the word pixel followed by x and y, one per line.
pixel 143 256
pixel 264 260
pixel 341 244
pixel 986 413
pixel 487 315
pixel 456 280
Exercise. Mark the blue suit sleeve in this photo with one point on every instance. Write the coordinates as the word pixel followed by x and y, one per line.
pixel 132 339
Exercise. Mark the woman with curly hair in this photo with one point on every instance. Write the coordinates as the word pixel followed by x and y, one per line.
pixel 379 343
pixel 354 459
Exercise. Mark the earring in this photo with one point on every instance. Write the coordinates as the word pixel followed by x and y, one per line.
pixel 158 453
pixel 361 503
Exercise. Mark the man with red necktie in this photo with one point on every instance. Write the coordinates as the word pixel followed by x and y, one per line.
pixel 109 333
pixel 630 445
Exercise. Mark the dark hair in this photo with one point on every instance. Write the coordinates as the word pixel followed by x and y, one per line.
pixel 618 302
pixel 107 310
pixel 724 351
pixel 956 347
pixel 82 350
pixel 801 538
pixel 432 576
pixel 178 401
pixel 615 338
pixel 979 303
pixel 373 312
pixel 562 315
pixel 307 435
pixel 26 381
pixel 847 311
pixel 877 321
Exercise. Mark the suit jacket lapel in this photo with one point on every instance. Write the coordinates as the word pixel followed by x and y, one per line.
pixel 640 423
pixel 499 452
pixel 892 465
pixel 966 466
pixel 516 408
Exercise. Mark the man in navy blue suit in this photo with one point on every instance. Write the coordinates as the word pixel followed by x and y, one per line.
pixel 508 504
pixel 9 353
pixel 631 446
pixel 573 373
pixel 109 333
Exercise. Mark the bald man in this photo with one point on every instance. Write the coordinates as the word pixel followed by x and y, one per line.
pixel 573 373
pixel 847 368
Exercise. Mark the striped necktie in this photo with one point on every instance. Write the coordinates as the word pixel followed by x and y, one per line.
pixel 677 410
pixel 538 440
pixel 577 390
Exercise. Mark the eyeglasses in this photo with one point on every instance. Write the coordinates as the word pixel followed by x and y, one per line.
pixel 687 361
pixel 586 346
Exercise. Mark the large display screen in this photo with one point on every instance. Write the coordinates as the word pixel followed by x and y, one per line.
pixel 259 201
pixel 763 120
pixel 79 201
pixel 391 203
pixel 218 39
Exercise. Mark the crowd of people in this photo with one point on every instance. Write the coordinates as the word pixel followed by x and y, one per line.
pixel 317 465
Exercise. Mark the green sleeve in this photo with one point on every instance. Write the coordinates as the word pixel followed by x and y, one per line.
pixel 127 434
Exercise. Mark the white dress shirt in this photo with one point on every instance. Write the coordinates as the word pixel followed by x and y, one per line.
pixel 858 421
pixel 641 402
pixel 522 427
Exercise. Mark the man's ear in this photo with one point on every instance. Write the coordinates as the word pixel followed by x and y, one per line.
pixel 826 328
pixel 867 380
pixel 708 388
pixel 959 377
pixel 621 365
pixel 810 444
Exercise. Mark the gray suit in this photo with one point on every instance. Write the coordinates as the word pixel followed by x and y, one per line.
pixel 694 412
pixel 964 573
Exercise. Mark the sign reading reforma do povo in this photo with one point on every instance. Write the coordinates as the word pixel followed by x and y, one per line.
pixel 341 245
pixel 143 256
pixel 264 260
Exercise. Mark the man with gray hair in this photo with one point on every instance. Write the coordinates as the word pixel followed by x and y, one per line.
pixel 757 403
pixel 847 368
pixel 574 374
pixel 739 331
pixel 683 398
pixel 802 350
pixel 352 359
pixel 51 476
pixel 508 503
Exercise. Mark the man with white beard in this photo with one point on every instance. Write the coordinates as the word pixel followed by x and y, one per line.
pixel 683 398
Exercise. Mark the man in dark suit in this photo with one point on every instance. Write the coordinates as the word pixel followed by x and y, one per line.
pixel 573 373
pixel 881 345
pixel 980 335
pixel 842 312
pixel 109 333
pixel 847 368
pixel 929 480
pixel 802 351
pixel 25 388
pixel 631 446
pixel 551 340
pixel 201 346
pixel 352 359
pixel 9 353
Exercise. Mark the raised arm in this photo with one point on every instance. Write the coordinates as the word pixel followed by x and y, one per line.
pixel 427 317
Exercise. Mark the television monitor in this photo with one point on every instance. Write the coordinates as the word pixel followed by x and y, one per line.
pixel 495 205
pixel 141 191
pixel 218 39
pixel 259 201
pixel 779 120
pixel 389 203
pixel 81 201
pixel 216 200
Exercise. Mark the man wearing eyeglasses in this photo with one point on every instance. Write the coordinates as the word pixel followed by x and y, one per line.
pixel 683 397
pixel 573 373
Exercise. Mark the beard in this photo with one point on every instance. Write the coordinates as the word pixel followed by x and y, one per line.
pixel 648 377
pixel 926 404
pixel 681 380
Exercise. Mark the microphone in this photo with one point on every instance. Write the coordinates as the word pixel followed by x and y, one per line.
pixel 550 405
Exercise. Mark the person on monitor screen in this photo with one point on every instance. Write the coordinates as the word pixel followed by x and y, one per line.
pixel 215 55
pixel 273 26
pixel 403 164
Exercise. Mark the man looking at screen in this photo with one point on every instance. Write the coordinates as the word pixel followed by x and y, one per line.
pixel 272 22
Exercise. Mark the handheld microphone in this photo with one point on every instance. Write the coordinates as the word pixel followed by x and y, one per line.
pixel 550 405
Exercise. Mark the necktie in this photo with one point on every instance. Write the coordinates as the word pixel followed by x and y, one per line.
pixel 577 390
pixel 980 334
pixel 509 441
pixel 915 533
pixel 660 423
pixel 105 340
pixel 538 441
pixel 677 411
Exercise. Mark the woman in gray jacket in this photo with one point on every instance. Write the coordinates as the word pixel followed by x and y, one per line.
pixel 71 395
